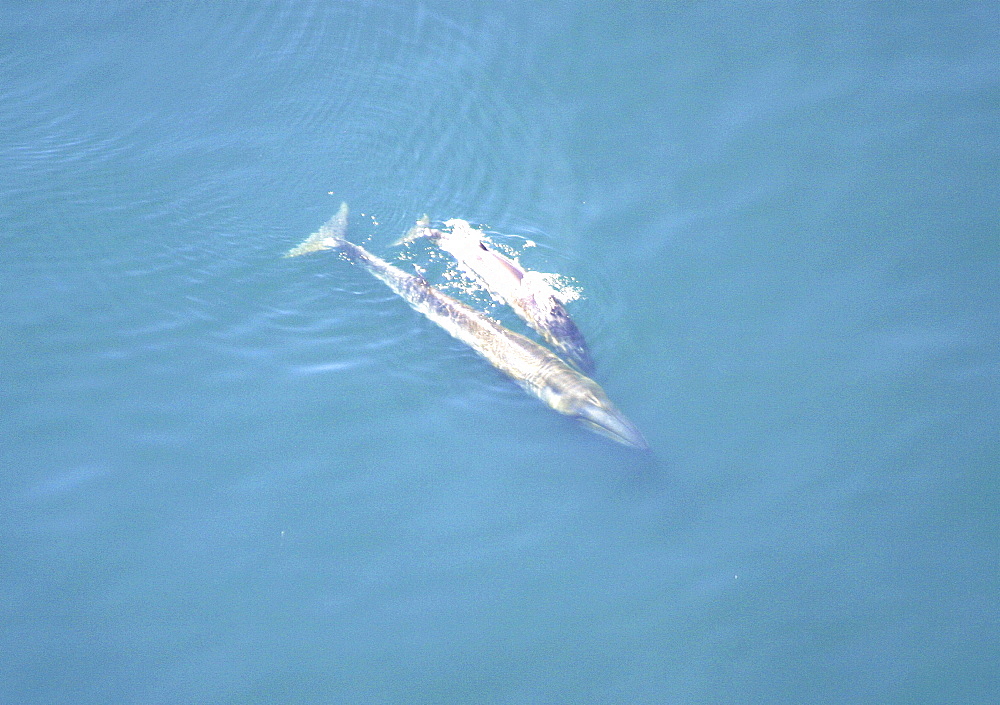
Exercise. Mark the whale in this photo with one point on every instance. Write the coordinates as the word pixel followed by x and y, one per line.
pixel 527 292
pixel 538 370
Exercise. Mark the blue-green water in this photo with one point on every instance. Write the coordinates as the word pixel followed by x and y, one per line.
pixel 230 477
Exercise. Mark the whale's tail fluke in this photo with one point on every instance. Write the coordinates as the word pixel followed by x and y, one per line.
pixel 327 237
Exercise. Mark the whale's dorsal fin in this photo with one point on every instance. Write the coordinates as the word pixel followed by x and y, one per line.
pixel 421 229
pixel 419 273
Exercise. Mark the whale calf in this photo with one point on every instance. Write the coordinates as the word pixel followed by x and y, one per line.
pixel 535 368
pixel 526 292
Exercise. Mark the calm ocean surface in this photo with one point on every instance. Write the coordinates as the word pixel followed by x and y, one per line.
pixel 230 477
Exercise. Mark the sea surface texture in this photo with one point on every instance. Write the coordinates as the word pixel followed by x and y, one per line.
pixel 233 477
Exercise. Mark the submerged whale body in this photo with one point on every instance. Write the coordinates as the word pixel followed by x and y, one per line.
pixel 526 292
pixel 535 368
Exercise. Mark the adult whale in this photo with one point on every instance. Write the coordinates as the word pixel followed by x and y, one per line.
pixel 538 370
pixel 526 292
